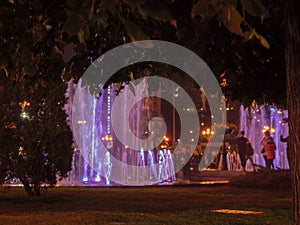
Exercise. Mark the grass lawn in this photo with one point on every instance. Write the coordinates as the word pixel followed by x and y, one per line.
pixel 174 205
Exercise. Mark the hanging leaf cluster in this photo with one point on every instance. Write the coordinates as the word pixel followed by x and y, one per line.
pixel 231 18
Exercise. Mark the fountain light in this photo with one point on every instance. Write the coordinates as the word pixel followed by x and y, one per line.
pixel 98 178
pixel 85 179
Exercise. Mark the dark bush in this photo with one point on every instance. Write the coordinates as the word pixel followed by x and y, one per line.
pixel 265 179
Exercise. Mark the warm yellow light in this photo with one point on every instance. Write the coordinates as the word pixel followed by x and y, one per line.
pixel 208 132
pixel 209 169
pixel 24 104
pixel 273 130
pixel 233 211
pixel 266 128
pixel 107 138
pixel 215 182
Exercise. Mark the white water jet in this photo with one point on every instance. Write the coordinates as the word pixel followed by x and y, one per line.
pixel 89 162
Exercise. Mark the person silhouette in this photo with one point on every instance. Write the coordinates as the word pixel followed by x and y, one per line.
pixel 267 138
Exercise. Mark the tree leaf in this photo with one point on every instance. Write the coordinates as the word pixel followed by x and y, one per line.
pixel 48 27
pixel 231 2
pixel 28 65
pixel 83 34
pixel 135 33
pixel 3 61
pixel 66 76
pixel 73 3
pixel 5 70
pixel 248 35
pixel 134 3
pixel 158 11
pixel 255 8
pixel 43 83
pixel 73 24
pixel 232 19
pixel 80 36
pixel 204 8
pixel 262 40
pixel 108 4
pixel 131 76
pixel 120 86
pixel 37 4
pixel 39 31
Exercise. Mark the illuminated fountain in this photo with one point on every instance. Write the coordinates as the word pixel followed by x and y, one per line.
pixel 255 120
pixel 92 166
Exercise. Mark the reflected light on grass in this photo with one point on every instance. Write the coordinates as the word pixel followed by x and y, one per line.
pixel 234 211
pixel 214 182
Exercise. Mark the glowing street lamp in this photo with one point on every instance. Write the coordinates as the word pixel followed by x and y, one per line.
pixel 207 133
pixel 267 128
pixel 24 114
pixel 108 140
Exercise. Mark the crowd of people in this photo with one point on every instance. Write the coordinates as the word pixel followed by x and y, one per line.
pixel 268 149
pixel 243 152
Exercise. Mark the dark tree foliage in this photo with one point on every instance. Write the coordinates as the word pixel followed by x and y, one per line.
pixel 63 37
pixel 35 143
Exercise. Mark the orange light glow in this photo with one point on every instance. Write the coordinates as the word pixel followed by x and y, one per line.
pixel 215 182
pixel 233 211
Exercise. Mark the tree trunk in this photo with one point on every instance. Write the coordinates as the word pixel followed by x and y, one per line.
pixel 27 187
pixel 37 188
pixel 292 57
